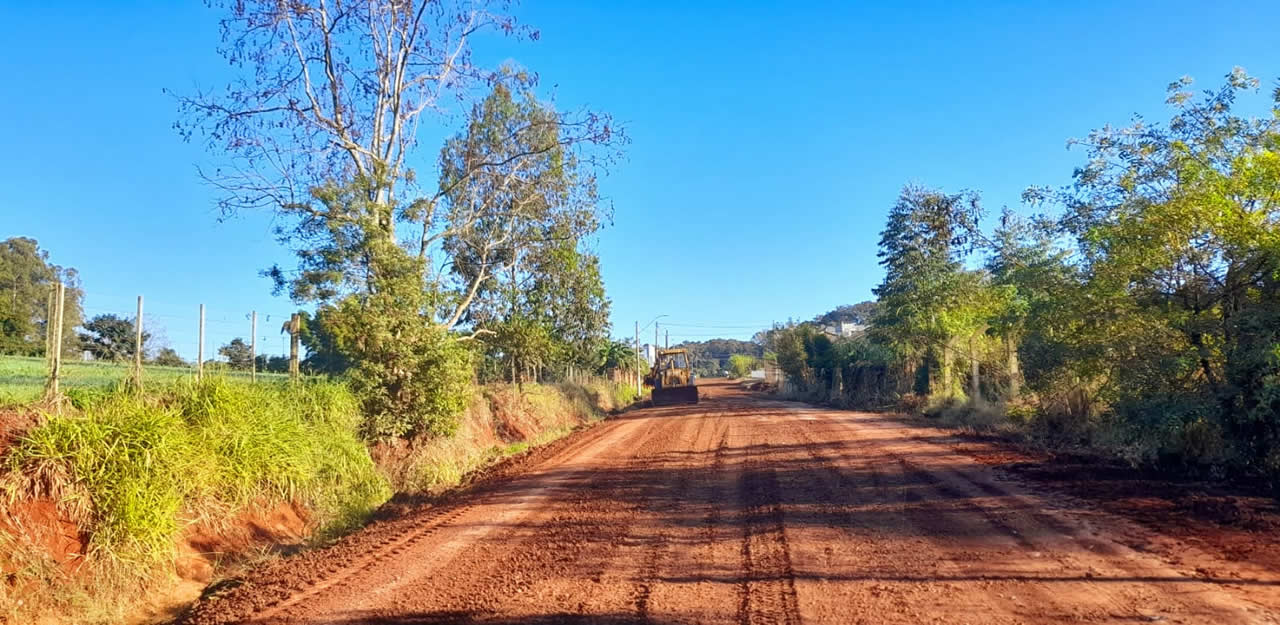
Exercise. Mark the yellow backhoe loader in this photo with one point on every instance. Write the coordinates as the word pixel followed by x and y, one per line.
pixel 672 378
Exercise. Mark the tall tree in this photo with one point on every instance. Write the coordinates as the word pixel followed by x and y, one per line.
pixel 322 118
pixel 921 247
pixel 238 354
pixel 168 357
pixel 109 337
pixel 1024 259
pixel 520 263
pixel 333 91
pixel 538 198
pixel 1177 232
pixel 26 280
pixel 319 125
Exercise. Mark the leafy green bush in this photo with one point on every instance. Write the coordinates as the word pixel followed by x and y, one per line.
pixel 419 386
pixel 740 365
pixel 411 375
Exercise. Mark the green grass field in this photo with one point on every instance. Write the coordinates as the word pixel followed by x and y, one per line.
pixel 22 379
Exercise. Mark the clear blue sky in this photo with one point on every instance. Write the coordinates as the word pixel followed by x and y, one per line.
pixel 769 139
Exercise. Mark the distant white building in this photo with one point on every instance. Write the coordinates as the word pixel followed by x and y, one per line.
pixel 649 352
pixel 843 329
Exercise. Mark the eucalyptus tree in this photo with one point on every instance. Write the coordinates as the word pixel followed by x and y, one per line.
pixel 320 127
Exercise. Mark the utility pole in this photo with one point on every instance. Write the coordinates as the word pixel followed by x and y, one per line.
pixel 655 336
pixel 667 339
pixel 638 389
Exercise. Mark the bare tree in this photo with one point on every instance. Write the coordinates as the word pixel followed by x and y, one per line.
pixel 319 123
pixel 329 90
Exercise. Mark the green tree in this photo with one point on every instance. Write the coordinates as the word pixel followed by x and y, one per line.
pixel 316 336
pixel 1024 259
pixel 168 357
pixel 523 346
pixel 802 352
pixel 238 354
pixel 412 375
pixel 617 355
pixel 523 256
pixel 1176 227
pixel 273 364
pixel 740 365
pixel 568 294
pixel 922 295
pixel 372 244
pixel 109 337
pixel 26 280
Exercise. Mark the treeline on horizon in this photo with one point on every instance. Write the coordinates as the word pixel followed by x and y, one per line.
pixel 1137 312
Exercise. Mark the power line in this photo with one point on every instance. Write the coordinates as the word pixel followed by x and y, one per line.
pixel 727 334
pixel 758 326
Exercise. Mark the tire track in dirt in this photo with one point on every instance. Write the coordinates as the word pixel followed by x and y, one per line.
pixel 864 532
pixel 1057 543
pixel 1027 566
pixel 767 593
pixel 701 539
pixel 512 551
pixel 657 543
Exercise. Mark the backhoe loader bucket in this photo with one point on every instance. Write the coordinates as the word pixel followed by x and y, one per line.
pixel 675 395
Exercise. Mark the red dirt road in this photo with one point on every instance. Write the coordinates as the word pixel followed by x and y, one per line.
pixel 745 510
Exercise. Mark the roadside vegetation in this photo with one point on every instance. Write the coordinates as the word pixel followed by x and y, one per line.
pixel 713 358
pixel 143 485
pixel 741 365
pixel 1137 313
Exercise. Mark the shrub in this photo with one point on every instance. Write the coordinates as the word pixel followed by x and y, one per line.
pixel 740 365
pixel 411 375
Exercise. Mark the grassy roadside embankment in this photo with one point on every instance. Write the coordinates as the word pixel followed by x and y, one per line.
pixel 126 506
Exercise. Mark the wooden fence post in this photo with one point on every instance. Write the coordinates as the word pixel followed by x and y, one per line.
pixel 49 314
pixel 55 362
pixel 137 348
pixel 200 349
pixel 253 346
pixel 295 328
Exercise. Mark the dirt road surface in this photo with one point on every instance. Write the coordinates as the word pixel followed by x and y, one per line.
pixel 746 510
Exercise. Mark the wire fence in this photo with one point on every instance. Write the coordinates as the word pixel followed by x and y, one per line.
pixel 172 345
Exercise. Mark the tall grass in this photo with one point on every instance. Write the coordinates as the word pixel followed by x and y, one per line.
pixel 132 470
